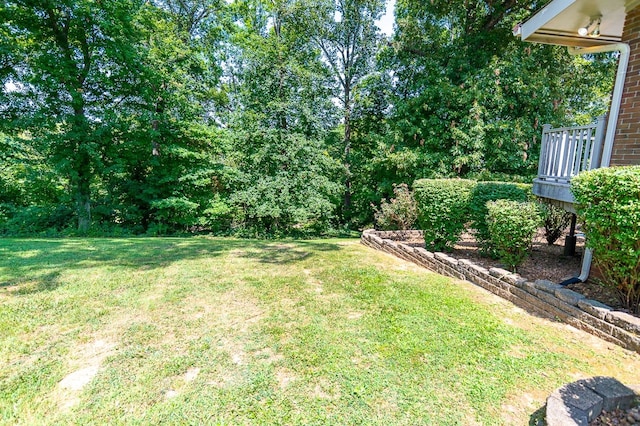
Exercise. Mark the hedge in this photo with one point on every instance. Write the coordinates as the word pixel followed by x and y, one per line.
pixel 512 225
pixel 608 205
pixel 443 206
pixel 447 206
pixel 484 192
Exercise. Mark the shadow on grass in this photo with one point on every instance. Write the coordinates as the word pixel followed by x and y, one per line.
pixel 37 263
pixel 285 253
pixel 26 285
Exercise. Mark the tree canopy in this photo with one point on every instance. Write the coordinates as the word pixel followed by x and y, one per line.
pixel 265 117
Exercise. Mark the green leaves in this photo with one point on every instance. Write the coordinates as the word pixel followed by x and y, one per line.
pixel 285 182
pixel 471 98
pixel 143 112
pixel 608 204
pixel 443 208
pixel 71 67
pixel 492 191
pixel 400 212
pixel 512 225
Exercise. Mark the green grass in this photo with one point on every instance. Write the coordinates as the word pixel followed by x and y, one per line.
pixel 225 331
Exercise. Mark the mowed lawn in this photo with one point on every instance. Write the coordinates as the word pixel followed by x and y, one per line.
pixel 226 331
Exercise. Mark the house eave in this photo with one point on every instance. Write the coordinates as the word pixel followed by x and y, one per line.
pixel 558 22
pixel 546 14
pixel 569 40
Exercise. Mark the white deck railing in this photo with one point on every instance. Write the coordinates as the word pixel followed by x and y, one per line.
pixel 567 151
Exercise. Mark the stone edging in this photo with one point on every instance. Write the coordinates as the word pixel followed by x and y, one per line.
pixel 542 297
pixel 581 402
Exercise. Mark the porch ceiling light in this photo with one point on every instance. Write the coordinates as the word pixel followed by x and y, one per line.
pixel 591 30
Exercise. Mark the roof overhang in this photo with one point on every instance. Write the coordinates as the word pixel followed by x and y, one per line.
pixel 558 22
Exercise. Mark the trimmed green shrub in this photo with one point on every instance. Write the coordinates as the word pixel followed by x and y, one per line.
pixel 487 176
pixel 400 212
pixel 492 191
pixel 608 205
pixel 556 219
pixel 511 226
pixel 442 210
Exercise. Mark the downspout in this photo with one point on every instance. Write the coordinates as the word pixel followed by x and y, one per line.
pixel 614 111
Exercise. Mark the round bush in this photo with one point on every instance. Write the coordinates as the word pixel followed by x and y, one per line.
pixel 492 191
pixel 511 226
pixel 443 208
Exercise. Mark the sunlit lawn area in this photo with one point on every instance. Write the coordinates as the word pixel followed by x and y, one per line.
pixel 224 331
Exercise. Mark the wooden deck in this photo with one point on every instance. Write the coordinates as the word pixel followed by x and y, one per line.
pixel 565 152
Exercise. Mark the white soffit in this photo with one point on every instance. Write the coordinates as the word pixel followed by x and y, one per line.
pixel 558 22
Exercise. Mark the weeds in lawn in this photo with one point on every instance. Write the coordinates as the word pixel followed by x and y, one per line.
pixel 246 332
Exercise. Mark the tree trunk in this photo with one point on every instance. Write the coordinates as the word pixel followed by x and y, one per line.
pixel 347 165
pixel 347 150
pixel 159 110
pixel 83 205
pixel 82 172
pixel 78 68
pixel 82 179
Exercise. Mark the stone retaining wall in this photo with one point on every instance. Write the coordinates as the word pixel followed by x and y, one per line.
pixel 580 403
pixel 542 297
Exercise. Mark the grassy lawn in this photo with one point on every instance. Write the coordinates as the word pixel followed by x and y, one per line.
pixel 224 331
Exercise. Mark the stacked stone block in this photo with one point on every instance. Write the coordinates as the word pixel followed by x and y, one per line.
pixel 541 297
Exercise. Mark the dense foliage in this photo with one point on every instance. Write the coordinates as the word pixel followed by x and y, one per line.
pixel 449 206
pixel 484 192
pixel 401 212
pixel 264 118
pixel 608 204
pixel 443 210
pixel 511 226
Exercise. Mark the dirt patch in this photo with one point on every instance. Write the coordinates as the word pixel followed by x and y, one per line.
pixel 313 282
pixel 78 379
pixel 88 360
pixel 235 310
pixel 284 377
pixel 178 385
pixel 191 374
pixel 511 411
pixel 170 393
pixel 324 389
pixel 354 315
pixel 226 378
pixel 545 262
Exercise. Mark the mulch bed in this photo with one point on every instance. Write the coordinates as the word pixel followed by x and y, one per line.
pixel 545 262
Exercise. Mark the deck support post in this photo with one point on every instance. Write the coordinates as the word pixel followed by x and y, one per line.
pixel 571 239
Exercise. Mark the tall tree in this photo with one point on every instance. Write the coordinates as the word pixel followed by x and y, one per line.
pixel 346 33
pixel 69 64
pixel 163 167
pixel 470 96
pixel 284 179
